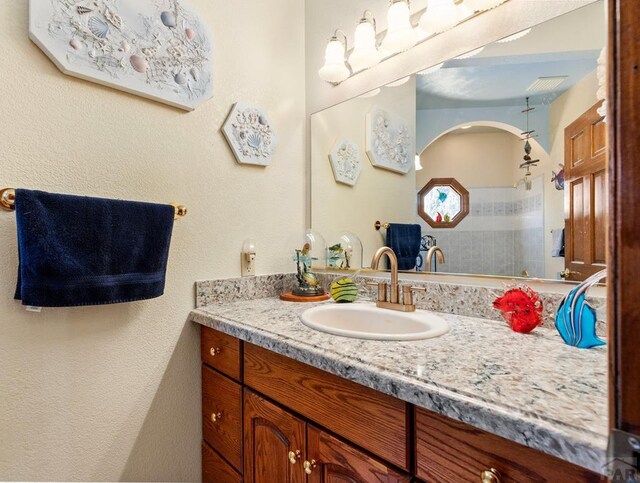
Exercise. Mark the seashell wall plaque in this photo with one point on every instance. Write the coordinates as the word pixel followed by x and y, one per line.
pixel 389 141
pixel 345 162
pixel 158 50
pixel 250 135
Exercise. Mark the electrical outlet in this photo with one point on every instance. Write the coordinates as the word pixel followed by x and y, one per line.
pixel 247 259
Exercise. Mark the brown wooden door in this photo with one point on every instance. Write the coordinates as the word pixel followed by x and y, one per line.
pixel 274 443
pixel 585 167
pixel 330 460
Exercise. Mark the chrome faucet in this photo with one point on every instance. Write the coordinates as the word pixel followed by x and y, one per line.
pixel 394 302
pixel 433 251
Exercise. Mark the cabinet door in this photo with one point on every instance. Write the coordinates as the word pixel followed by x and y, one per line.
pixel 215 469
pixel 274 443
pixel 332 461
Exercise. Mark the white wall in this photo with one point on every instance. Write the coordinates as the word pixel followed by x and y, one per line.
pixel 379 194
pixel 113 392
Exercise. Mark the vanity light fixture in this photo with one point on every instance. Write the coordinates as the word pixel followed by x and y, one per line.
pixel 335 69
pixel 482 5
pixel 418 163
pixel 401 35
pixel 513 37
pixel 441 15
pixel 365 51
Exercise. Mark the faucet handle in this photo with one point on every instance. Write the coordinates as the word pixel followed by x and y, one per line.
pixel 382 290
pixel 407 293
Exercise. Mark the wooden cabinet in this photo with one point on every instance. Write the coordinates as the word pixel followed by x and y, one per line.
pixel 333 461
pixel 368 418
pixel 454 452
pixel 274 443
pixel 222 352
pixel 294 423
pixel 222 415
pixel 215 469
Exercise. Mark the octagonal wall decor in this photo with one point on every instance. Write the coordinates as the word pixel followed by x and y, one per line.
pixel 443 203
pixel 389 141
pixel 250 135
pixel 160 50
pixel 346 162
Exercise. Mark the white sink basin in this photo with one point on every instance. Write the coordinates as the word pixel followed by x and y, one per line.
pixel 366 321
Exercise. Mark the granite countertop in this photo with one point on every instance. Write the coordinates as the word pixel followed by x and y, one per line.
pixel 532 389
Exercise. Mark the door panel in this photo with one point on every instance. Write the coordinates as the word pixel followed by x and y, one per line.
pixel 586 216
pixel 337 462
pixel 270 435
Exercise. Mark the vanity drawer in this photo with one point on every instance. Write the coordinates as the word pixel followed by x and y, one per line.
pixel 215 469
pixel 221 351
pixel 369 419
pixel 222 415
pixel 451 451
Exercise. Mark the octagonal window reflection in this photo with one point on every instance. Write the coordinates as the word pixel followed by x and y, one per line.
pixel 443 202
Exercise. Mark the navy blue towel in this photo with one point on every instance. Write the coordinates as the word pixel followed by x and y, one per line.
pixel 76 250
pixel 404 240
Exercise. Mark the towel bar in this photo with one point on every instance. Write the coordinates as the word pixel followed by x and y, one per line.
pixel 8 201
pixel 377 225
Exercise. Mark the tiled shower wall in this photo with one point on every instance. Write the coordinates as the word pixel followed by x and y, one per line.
pixel 502 235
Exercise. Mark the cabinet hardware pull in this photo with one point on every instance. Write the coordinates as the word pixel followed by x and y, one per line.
pixel 490 476
pixel 294 456
pixel 214 351
pixel 309 466
pixel 215 417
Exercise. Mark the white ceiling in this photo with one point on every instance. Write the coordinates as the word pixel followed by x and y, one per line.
pixel 500 75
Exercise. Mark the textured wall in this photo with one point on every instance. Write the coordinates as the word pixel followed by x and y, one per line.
pixel 113 392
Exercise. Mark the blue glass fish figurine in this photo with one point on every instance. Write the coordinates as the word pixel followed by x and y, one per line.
pixel 576 319
pixel 442 196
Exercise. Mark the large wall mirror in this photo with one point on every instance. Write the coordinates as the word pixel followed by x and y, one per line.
pixel 516 125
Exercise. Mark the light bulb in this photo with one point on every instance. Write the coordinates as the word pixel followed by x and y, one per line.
pixel 418 164
pixel 440 15
pixel 334 69
pixel 400 33
pixel 482 5
pixel 365 52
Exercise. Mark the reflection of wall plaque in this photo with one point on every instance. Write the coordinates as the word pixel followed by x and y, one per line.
pixel 389 141
pixel 443 203
pixel 345 162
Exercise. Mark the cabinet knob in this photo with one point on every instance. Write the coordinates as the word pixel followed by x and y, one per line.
pixel 294 456
pixel 215 417
pixel 214 351
pixel 309 466
pixel 490 476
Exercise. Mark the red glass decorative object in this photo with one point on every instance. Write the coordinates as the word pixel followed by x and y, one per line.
pixel 521 307
pixel 438 218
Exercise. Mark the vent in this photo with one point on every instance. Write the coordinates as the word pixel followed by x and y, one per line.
pixel 544 84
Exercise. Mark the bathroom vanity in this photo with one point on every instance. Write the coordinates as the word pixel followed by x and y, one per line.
pixel 283 402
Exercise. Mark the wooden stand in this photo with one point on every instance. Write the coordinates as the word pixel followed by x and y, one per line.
pixel 289 297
